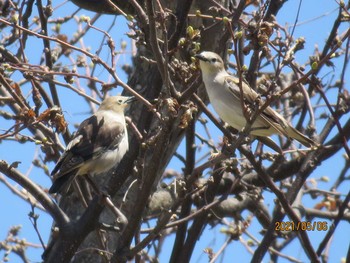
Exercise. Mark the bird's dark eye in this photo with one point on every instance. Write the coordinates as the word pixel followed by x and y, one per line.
pixel 213 60
pixel 120 101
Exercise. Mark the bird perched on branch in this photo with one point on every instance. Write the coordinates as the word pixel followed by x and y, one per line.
pixel 225 96
pixel 98 145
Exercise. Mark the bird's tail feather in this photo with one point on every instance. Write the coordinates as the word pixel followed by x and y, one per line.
pixel 304 140
pixel 61 184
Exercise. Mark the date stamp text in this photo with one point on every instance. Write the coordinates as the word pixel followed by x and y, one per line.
pixel 301 226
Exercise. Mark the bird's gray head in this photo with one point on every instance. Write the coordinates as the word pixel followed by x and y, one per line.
pixel 210 62
pixel 116 103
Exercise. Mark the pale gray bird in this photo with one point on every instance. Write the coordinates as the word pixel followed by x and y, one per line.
pixel 98 145
pixel 224 95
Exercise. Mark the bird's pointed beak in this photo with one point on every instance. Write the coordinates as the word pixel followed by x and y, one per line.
pixel 131 99
pixel 200 57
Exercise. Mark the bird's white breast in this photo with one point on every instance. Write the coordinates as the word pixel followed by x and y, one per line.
pixel 225 104
pixel 109 159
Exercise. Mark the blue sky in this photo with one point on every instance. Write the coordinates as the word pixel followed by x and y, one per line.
pixel 315 22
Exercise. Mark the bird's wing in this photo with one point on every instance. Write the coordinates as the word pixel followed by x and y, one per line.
pixel 92 139
pixel 232 84
pixel 269 116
